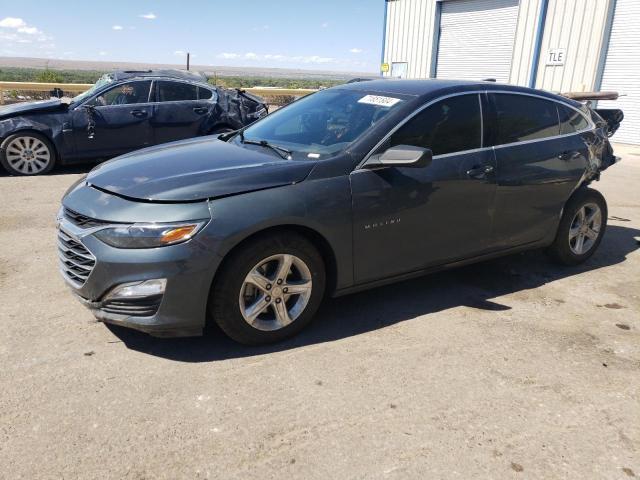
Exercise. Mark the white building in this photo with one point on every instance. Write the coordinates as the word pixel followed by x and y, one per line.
pixel 556 45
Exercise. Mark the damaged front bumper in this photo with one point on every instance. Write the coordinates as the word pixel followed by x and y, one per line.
pixel 162 291
pixel 116 286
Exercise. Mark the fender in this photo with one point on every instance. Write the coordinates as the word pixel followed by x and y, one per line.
pixel 322 206
pixel 48 125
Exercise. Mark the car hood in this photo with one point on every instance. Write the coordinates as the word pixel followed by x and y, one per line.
pixel 54 104
pixel 194 170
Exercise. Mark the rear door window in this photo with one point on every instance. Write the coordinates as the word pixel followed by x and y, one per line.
pixel 204 93
pixel 448 126
pixel 521 118
pixel 571 121
pixel 168 91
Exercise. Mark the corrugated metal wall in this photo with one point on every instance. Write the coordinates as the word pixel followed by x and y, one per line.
pixel 578 26
pixel 622 69
pixel 523 48
pixel 410 35
pixel 476 39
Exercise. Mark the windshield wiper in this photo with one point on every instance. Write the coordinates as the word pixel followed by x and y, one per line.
pixel 228 135
pixel 283 152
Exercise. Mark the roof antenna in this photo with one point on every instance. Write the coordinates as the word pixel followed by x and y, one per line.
pixel 489 80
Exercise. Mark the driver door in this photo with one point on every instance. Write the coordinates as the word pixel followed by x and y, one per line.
pixel 119 119
pixel 408 219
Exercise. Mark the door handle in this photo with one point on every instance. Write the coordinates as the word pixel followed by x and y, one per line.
pixel 566 155
pixel 200 110
pixel 138 113
pixel 480 171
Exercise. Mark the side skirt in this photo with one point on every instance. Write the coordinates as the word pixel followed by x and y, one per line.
pixel 446 266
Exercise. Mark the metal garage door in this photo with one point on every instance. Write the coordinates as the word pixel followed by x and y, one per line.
pixel 476 39
pixel 622 69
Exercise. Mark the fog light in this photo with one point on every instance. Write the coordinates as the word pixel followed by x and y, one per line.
pixel 147 288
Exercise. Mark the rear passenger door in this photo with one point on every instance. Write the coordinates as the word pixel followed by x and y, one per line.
pixel 181 110
pixel 538 165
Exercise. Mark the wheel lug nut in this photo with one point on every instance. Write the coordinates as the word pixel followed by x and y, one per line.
pixel 285 289
pixel 278 300
pixel 279 281
pixel 268 286
pixel 268 299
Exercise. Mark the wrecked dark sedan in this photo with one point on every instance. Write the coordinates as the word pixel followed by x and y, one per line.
pixel 349 188
pixel 123 111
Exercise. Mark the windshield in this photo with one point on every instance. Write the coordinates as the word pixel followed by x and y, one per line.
pixel 322 124
pixel 102 81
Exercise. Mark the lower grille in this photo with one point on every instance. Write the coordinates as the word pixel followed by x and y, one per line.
pixel 76 262
pixel 136 307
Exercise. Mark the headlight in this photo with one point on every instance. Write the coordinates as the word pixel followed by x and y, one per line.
pixel 148 235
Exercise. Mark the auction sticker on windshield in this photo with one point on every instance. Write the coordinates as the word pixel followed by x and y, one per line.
pixel 379 100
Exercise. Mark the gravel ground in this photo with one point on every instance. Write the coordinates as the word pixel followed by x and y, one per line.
pixel 512 368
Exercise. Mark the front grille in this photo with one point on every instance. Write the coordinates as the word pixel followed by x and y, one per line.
pixel 76 262
pixel 135 307
pixel 82 220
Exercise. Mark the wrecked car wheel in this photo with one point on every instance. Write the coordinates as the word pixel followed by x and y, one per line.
pixel 27 153
pixel 582 226
pixel 269 289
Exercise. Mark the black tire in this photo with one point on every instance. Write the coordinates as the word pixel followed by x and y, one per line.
pixel 27 167
pixel 564 249
pixel 224 301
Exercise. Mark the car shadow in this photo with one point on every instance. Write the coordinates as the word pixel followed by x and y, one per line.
pixel 73 169
pixel 60 170
pixel 475 286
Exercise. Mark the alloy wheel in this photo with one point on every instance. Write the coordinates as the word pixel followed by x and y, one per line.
pixel 275 292
pixel 585 228
pixel 28 155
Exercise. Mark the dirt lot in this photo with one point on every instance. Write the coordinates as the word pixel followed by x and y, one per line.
pixel 513 368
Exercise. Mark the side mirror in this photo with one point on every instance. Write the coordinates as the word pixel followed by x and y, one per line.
pixel 402 156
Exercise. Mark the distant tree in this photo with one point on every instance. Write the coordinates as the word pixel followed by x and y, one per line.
pixel 49 76
pixel 280 100
pixel 248 82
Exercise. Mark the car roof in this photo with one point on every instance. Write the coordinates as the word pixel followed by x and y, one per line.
pixel 434 87
pixel 408 87
pixel 174 74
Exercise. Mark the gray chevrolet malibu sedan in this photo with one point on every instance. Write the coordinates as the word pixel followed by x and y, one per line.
pixel 346 189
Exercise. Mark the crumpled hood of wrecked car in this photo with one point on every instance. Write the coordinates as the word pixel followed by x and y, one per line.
pixel 8 111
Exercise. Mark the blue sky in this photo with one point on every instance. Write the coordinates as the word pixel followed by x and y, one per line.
pixel 321 35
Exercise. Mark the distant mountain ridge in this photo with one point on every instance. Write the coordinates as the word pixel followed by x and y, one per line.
pixel 223 71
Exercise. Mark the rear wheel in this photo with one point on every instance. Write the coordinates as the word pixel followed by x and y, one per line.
pixel 27 153
pixel 269 289
pixel 582 226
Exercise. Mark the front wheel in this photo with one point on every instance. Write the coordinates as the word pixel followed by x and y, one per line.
pixel 581 229
pixel 27 153
pixel 269 289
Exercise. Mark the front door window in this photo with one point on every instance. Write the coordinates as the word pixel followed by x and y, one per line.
pixel 124 94
pixel 448 126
